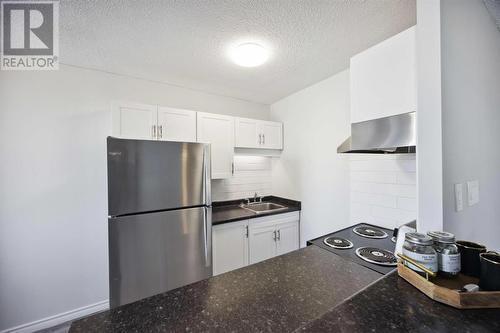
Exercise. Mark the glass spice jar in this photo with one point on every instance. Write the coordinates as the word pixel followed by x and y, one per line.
pixel 447 253
pixel 419 247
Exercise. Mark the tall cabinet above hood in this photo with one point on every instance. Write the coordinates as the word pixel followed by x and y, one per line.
pixel 384 97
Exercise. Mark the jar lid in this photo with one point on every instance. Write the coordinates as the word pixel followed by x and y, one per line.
pixel 418 238
pixel 442 236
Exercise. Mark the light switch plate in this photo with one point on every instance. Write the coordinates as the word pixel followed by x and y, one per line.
pixel 459 201
pixel 472 192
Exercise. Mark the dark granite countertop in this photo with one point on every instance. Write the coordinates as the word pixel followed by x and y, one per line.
pixel 392 304
pixel 281 294
pixel 230 211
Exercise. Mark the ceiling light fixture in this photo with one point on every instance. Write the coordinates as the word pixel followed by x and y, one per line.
pixel 249 55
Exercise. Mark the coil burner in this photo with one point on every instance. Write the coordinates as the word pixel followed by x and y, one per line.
pixel 377 256
pixel 369 232
pixel 338 242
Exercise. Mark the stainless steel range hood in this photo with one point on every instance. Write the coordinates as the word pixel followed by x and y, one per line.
pixel 388 135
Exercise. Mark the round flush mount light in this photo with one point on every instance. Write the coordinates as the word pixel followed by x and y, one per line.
pixel 249 54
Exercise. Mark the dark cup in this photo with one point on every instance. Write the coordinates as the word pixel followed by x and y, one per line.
pixel 469 256
pixel 490 271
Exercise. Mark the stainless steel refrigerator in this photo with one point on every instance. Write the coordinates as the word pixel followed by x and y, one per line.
pixel 159 221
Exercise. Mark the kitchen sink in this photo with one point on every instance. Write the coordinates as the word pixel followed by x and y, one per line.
pixel 262 207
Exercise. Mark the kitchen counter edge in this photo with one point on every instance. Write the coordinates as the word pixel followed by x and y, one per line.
pixel 230 211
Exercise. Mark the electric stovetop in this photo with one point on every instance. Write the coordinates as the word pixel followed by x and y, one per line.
pixel 376 246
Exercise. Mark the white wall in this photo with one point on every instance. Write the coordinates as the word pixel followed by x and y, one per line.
pixel 471 117
pixel 252 174
pixel 383 189
pixel 316 121
pixel 429 132
pixel 53 200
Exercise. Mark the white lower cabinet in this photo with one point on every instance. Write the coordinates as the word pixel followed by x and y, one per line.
pixel 287 237
pixel 272 236
pixel 237 244
pixel 229 246
pixel 262 242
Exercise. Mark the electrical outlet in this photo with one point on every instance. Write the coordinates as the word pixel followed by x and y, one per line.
pixel 459 194
pixel 472 192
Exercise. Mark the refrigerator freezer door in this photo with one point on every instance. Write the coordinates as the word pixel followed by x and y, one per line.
pixel 146 176
pixel 156 252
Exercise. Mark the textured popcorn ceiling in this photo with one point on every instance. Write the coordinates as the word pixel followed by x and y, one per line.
pixel 185 42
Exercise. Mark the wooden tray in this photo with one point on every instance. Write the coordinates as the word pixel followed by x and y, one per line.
pixel 447 290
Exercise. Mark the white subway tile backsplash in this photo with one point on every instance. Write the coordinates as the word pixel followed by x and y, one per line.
pixel 383 165
pixel 409 204
pixel 385 222
pixel 406 165
pixel 383 189
pixel 252 174
pixel 409 178
pixel 251 163
pixel 406 191
pixel 374 176
pixel 360 212
pixel 398 215
pixel 397 190
pixel 374 199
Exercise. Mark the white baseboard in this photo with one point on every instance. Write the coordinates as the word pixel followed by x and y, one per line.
pixel 59 318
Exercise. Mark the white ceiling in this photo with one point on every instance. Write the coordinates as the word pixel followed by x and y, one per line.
pixel 185 42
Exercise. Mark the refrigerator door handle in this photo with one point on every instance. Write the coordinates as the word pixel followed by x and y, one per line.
pixel 207 175
pixel 207 233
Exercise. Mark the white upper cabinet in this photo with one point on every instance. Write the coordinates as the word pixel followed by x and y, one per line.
pixel 252 133
pixel 144 121
pixel 218 130
pixel 246 133
pixel 383 78
pixel 272 135
pixel 224 133
pixel 134 121
pixel 176 124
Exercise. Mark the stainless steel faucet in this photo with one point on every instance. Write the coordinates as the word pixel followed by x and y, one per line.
pixel 255 197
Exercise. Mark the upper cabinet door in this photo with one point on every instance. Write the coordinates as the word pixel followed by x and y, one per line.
pixel 252 133
pixel 134 121
pixel 176 124
pixel 383 78
pixel 246 133
pixel 272 135
pixel 218 130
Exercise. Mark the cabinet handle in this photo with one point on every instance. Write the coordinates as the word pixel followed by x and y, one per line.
pixel 161 131
pixel 279 234
pixel 232 168
pixel 274 235
pixel 154 132
pixel 260 139
pixel 263 139
pixel 246 231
